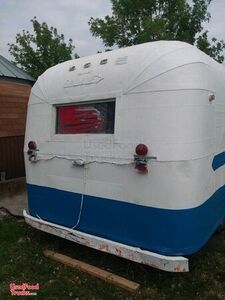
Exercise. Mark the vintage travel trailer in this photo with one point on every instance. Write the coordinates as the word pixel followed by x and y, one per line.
pixel 125 152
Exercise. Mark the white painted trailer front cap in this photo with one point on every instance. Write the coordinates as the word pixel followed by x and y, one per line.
pixel 170 97
pixel 162 92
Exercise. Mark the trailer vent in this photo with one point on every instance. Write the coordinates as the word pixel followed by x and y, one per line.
pixel 103 61
pixel 73 68
pixel 121 60
pixel 87 65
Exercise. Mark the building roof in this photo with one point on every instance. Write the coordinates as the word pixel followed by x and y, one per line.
pixel 9 70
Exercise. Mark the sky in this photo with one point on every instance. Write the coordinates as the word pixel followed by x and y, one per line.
pixel 70 17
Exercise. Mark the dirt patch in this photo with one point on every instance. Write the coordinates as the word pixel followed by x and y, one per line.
pixel 13 187
pixel 13 196
pixel 15 204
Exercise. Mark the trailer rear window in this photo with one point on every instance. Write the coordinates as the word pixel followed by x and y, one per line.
pixel 92 117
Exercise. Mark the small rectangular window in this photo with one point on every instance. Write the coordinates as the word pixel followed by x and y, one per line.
pixel 92 117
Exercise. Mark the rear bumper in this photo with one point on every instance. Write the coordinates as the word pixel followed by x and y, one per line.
pixel 162 262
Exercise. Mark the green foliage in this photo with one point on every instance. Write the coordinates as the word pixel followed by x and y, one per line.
pixel 213 49
pixel 139 21
pixel 43 49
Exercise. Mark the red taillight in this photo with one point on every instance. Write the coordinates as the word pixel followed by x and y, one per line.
pixel 141 168
pixel 141 149
pixel 32 145
pixel 141 158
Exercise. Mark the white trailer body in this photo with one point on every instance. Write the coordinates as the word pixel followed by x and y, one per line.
pixel 88 115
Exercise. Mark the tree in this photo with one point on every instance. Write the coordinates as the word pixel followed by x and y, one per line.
pixel 138 21
pixel 36 52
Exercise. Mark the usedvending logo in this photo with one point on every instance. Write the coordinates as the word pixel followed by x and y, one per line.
pixel 24 289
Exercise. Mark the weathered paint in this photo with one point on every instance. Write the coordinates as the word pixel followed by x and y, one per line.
pixel 162 262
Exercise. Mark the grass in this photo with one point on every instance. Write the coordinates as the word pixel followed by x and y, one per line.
pixel 22 261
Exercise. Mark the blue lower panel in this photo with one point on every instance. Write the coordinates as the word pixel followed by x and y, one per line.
pixel 218 161
pixel 170 232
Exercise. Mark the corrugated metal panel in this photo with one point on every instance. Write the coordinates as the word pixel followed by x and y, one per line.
pixel 11 157
pixel 8 69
